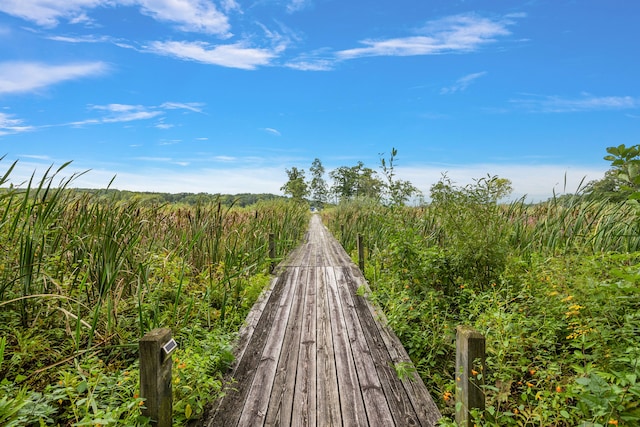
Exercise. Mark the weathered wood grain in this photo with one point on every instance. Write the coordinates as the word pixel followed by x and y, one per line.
pixel 314 352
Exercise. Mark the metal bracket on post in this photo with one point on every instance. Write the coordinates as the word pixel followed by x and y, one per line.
pixel 155 376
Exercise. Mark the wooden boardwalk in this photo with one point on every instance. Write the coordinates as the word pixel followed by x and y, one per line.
pixel 314 353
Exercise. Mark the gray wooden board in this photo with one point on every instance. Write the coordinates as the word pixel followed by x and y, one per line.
pixel 315 353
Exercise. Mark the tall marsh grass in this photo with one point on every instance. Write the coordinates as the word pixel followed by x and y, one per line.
pixel 84 275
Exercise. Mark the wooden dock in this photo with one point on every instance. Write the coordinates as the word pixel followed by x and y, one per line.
pixel 314 352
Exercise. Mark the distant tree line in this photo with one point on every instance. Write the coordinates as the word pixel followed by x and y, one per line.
pixel 349 182
pixel 191 199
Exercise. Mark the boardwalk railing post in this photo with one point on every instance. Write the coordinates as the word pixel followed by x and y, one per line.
pixel 272 251
pixel 470 357
pixel 155 375
pixel 360 253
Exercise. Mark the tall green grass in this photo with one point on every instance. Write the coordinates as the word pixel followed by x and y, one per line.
pixel 553 286
pixel 84 275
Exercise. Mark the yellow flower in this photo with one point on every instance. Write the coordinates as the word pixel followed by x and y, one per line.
pixel 474 372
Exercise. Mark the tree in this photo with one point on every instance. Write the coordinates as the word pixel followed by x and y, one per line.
pixel 318 186
pixel 296 187
pixel 355 181
pixel 625 164
pixel 398 192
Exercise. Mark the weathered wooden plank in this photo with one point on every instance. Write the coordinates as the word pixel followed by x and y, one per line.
pixel 230 408
pixel 328 400
pixel 396 395
pixel 251 322
pixel 257 400
pixel 378 411
pixel 304 400
pixel 351 403
pixel 421 400
pixel 315 354
pixel 282 393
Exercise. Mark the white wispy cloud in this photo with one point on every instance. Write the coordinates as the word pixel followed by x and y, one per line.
pixel 80 39
pixel 459 33
pixel 297 5
pixel 462 83
pixel 16 77
pixel 48 13
pixel 196 107
pixel 272 131
pixel 10 125
pixel 236 55
pixel 585 103
pixel 200 16
pixel 190 15
pixel 117 113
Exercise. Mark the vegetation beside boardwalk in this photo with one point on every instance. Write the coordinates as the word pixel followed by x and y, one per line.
pixel 554 287
pixel 83 275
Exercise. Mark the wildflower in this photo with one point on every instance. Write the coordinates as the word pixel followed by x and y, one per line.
pixel 474 372
pixel 529 385
pixel 613 422
pixel 568 298
pixel 515 411
pixel 558 389
pixel 447 396
pixel 136 395
pixel 532 371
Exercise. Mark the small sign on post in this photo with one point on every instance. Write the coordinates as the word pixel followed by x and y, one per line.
pixel 470 362
pixel 155 376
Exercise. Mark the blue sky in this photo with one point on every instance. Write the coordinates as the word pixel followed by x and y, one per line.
pixel 222 96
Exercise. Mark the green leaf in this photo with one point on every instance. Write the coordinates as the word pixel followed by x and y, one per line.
pixel 82 387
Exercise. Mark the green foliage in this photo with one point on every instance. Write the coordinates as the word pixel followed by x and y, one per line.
pixel 356 181
pixel 559 309
pixel 84 274
pixel 472 229
pixel 318 186
pixel 625 161
pixel 398 191
pixel 296 186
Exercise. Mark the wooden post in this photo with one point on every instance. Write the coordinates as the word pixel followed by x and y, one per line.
pixel 360 253
pixel 272 251
pixel 155 376
pixel 470 362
